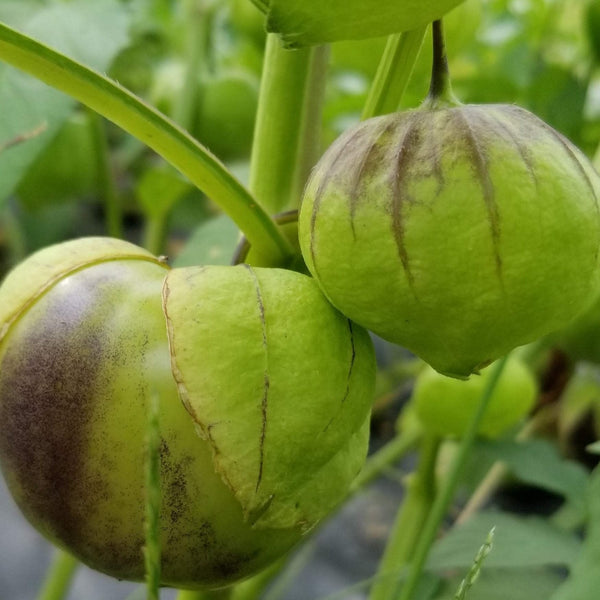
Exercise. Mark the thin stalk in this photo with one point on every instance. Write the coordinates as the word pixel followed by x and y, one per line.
pixel 252 588
pixel 382 460
pixel 108 188
pixel 446 493
pixel 418 499
pixel 154 234
pixel 199 20
pixel 286 142
pixel 162 135
pixel 59 577
pixel 152 549
pixel 393 73
pixel 224 594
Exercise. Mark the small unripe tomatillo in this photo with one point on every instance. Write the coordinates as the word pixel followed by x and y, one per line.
pixel 445 406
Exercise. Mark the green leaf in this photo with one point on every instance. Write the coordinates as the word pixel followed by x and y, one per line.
pixel 90 32
pixel 509 584
pixel 518 542
pixel 213 243
pixel 537 462
pixel 584 580
pixel 310 22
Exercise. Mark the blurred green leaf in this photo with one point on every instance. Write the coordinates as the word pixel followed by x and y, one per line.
pixel 584 580
pixel 213 243
pixel 519 542
pixel 91 31
pixel 158 189
pixel 538 463
pixel 509 584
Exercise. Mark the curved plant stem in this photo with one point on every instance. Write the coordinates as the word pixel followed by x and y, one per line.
pixel 420 493
pixel 286 140
pixel 393 72
pixel 108 188
pixel 446 493
pixel 59 577
pixel 150 126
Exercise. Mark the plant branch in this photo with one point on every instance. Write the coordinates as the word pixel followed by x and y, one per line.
pixel 419 496
pixel 158 132
pixel 444 498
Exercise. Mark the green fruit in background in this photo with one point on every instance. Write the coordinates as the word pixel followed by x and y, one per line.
pixel 66 170
pixel 276 383
pixel 459 232
pixel 227 110
pixel 446 406
pixel 248 20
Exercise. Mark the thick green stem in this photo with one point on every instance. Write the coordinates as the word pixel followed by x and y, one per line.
pixel 393 73
pixel 286 135
pixel 150 126
pixel 108 189
pixel 446 494
pixel 418 499
pixel 59 577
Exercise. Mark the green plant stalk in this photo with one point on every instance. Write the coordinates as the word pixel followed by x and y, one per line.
pixel 286 140
pixel 59 577
pixel 419 497
pixel 108 188
pixel 382 460
pixel 199 20
pixel 147 124
pixel 252 588
pixel 152 550
pixel 154 234
pixel 393 73
pixel 446 493
pixel 205 595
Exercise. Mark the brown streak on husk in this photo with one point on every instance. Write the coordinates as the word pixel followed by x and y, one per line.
pixel 479 161
pixel 267 383
pixel 403 157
